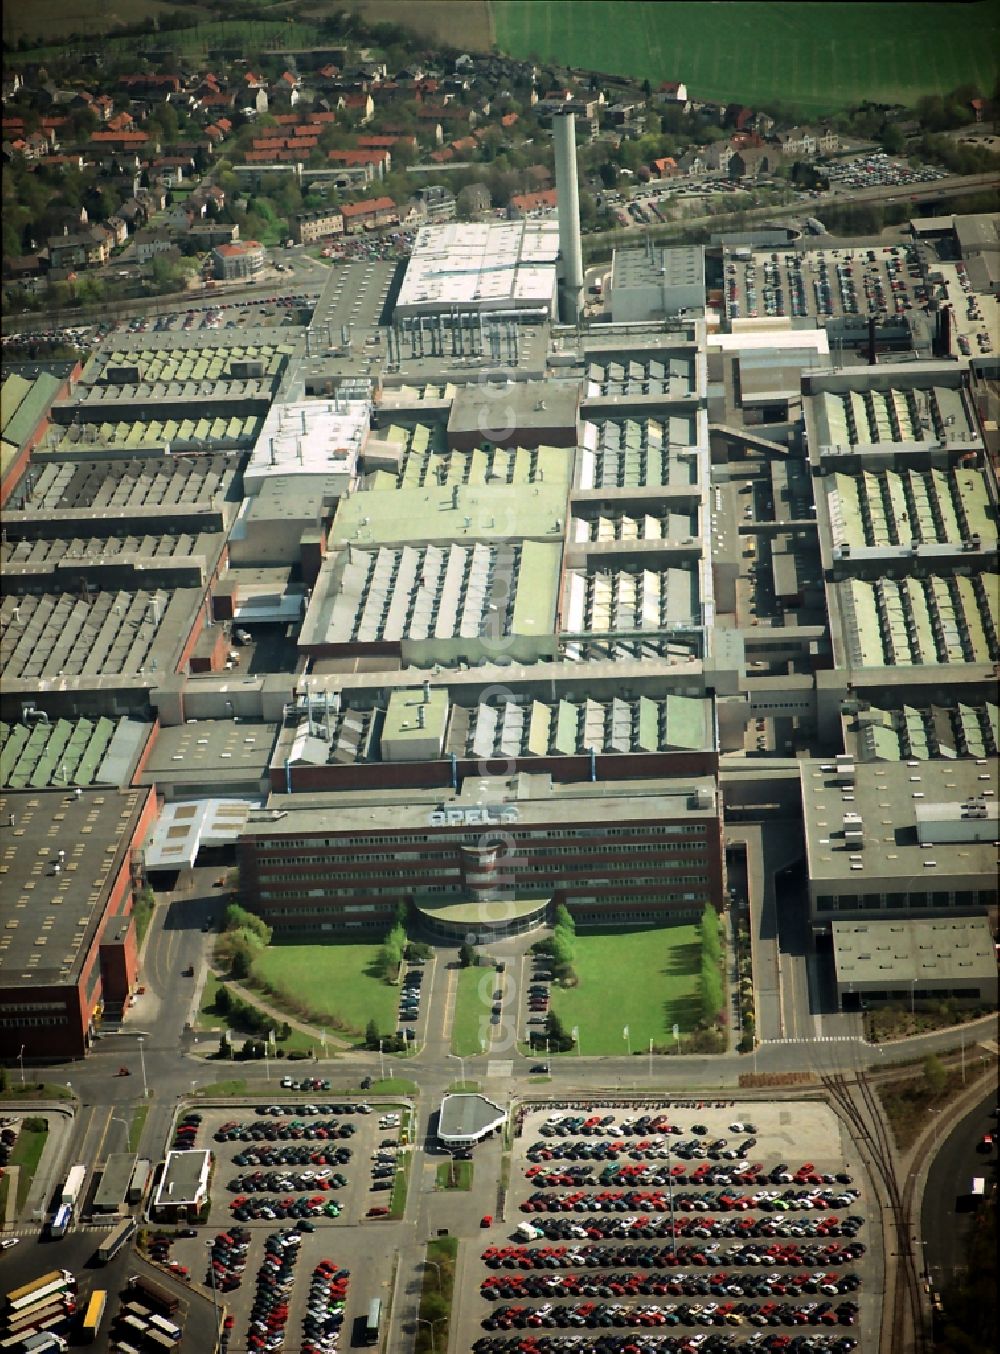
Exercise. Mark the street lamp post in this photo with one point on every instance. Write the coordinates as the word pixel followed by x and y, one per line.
pixel 381 1060
pixel 20 1059
pixel 422 1321
pixel 438 1268
pixel 913 992
pixel 116 1120
pixel 461 1063
pixel 142 1063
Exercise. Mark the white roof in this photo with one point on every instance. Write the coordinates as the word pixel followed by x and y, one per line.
pixel 461 264
pixel 310 437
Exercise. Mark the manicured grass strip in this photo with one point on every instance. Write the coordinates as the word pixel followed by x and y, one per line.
pixel 454 1175
pixel 646 980
pixel 334 982
pixel 473 1000
pixel 36 1090
pixel 436 1294
pixel 137 1125
pixel 400 1186
pixel 393 1086
pixel 27 1153
pixel 235 1086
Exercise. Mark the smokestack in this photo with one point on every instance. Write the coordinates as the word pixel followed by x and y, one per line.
pixel 567 191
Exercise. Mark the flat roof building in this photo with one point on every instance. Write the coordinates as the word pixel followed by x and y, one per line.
pixel 915 961
pixel 647 284
pixel 467 1119
pixel 890 839
pixel 481 268
pixel 311 863
pixel 320 439
pixel 68 948
pixel 183 1185
pixel 111 1195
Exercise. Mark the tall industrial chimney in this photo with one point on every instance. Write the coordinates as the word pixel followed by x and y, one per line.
pixel 567 190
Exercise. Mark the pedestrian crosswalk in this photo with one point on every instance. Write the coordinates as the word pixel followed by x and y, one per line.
pixel 821 1039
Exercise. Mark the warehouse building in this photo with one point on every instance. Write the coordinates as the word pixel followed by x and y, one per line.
pixel 68 954
pixel 648 284
pixel 903 838
pixel 481 268
pixel 915 962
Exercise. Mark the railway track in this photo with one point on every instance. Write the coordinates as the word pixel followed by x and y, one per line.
pixel 906 1329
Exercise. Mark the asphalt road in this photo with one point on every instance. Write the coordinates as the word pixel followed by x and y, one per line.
pixel 955 1163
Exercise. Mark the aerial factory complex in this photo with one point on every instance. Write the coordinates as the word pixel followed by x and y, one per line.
pixel 499 597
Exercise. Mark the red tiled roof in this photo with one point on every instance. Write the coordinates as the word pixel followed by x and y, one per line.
pixel 527 202
pixel 377 204
pixel 232 250
pixel 358 157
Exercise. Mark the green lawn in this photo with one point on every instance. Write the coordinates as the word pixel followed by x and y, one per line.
pixel 336 981
pixel 646 980
pixel 208 1018
pixel 136 1126
pixel 454 1175
pixel 473 1001
pixel 816 57
pixel 27 1153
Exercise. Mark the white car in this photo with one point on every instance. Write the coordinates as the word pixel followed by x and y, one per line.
pixel 10 1241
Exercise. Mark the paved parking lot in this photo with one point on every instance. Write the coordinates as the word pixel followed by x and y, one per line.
pixel 350 1241
pixel 825 283
pixel 604 1255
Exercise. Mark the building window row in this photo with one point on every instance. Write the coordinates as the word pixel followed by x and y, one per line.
pixel 854 902
pixel 349 842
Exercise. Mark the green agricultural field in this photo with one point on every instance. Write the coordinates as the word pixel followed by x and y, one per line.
pixel 336 980
pixel 231 34
pixel 815 57
pixel 646 980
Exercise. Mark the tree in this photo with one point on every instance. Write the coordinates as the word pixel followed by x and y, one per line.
pixel 935 1075
pixel 371 1034
pixel 240 958
pixel 223 999
pixel 556 1034
pixel 3 1079
pixel 466 955
pixel 564 919
pixel 710 989
pixel 710 943
pixel 225 1050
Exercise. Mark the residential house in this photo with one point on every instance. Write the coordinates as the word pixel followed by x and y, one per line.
pixel 362 216
pixel 208 234
pixel 88 249
pixel 361 105
pixel 376 163
pixel 117 228
pixel 750 162
pixel 473 200
pixel 665 167
pixel 672 91
pixel 808 141
pixel 307 227
pixel 152 241
pixel 240 260
pixel 523 205
pixel 170 169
